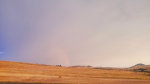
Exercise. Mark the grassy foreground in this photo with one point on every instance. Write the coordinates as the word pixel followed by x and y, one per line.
pixel 26 73
pixel 27 83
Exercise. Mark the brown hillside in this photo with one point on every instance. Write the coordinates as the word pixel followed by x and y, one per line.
pixel 141 68
pixel 36 73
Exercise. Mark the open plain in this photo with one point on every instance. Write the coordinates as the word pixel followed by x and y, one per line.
pixel 26 73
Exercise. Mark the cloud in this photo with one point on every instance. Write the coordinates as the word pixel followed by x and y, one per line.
pixel 98 32
pixel 1 52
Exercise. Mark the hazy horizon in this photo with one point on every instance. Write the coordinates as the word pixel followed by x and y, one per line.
pixel 114 33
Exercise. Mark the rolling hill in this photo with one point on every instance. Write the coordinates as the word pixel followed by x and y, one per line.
pixel 140 68
pixel 18 72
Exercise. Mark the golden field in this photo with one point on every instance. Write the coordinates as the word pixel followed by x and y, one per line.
pixel 17 72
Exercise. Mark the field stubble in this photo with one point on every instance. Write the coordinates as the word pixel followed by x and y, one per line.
pixel 16 72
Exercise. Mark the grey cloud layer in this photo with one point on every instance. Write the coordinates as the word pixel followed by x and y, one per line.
pixel 94 32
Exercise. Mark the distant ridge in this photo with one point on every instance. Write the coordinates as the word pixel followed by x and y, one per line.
pixel 140 67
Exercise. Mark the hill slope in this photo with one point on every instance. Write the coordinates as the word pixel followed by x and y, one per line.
pixel 36 73
pixel 140 67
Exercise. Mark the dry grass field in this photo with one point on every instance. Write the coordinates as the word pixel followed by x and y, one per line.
pixel 26 73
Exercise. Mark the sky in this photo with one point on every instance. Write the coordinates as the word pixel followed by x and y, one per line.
pixel 106 33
